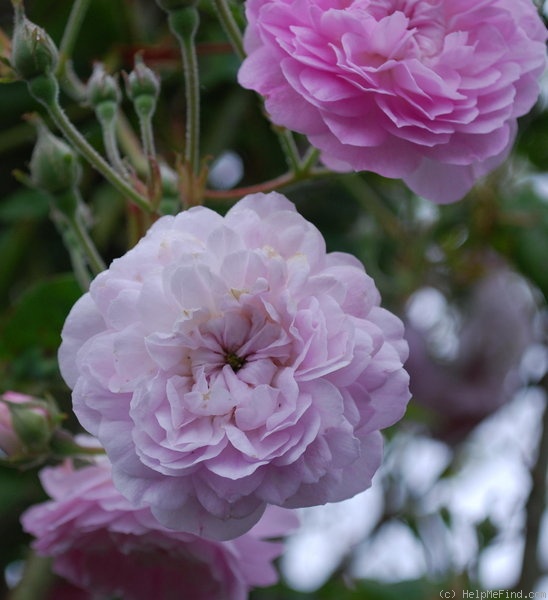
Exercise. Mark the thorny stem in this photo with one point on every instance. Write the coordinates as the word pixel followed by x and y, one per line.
pixel 231 27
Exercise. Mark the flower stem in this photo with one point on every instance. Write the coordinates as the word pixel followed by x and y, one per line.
pixel 309 159
pixel 267 186
pixel 129 142
pixel 111 147
pixel 231 27
pixel 147 137
pixel 92 156
pixel 285 137
pixel 80 265
pixel 184 24
pixel 63 445
pixel 93 257
pixel 72 29
pixel 190 63
pixel 289 147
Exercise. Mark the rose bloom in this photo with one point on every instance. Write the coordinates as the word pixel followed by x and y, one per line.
pixel 102 544
pixel 424 90
pixel 227 363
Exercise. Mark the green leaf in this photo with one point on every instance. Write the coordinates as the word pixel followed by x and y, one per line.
pixel 37 318
pixel 24 204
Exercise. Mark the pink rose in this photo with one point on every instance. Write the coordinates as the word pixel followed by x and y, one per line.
pixel 424 90
pixel 230 363
pixel 102 544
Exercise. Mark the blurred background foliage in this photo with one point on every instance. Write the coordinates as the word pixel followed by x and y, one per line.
pixel 406 244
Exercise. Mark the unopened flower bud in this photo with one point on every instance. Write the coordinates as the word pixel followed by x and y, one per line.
pixel 102 87
pixel 143 86
pixel 33 51
pixel 54 166
pixel 184 22
pixel 26 426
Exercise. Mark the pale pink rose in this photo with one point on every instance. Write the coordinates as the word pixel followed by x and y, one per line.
pixel 102 544
pixel 230 363
pixel 424 90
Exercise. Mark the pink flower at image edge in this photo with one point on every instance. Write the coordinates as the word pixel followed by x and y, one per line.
pixel 228 363
pixel 424 91
pixel 99 542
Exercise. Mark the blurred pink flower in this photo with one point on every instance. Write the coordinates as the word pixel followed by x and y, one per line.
pixel 102 544
pixel 424 90
pixel 496 326
pixel 230 363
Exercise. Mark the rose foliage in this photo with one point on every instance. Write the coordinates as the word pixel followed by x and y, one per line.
pixel 424 90
pixel 227 363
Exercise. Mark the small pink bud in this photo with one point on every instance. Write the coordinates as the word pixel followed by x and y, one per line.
pixel 26 426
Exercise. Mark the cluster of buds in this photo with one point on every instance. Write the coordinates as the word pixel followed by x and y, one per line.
pixel 104 96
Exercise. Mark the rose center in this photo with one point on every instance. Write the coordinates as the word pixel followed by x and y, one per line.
pixel 235 361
